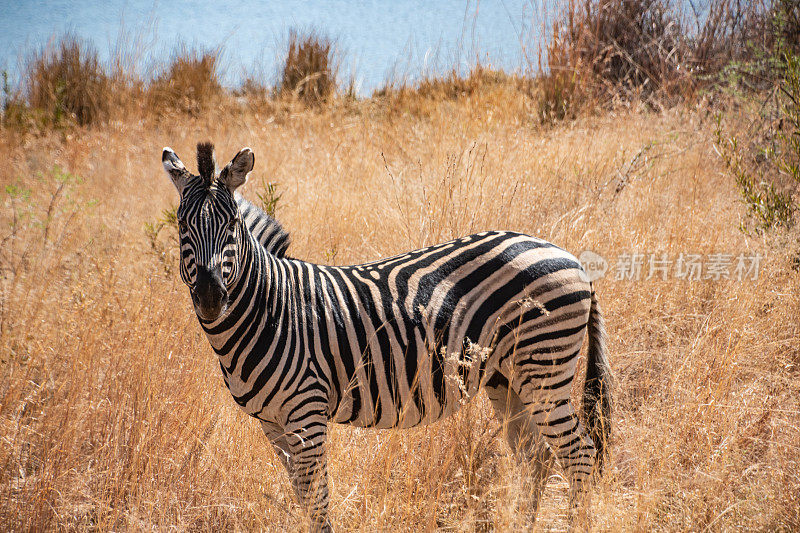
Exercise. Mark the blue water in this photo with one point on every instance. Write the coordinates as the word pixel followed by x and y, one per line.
pixel 379 40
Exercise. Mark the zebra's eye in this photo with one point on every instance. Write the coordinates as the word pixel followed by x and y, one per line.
pixel 232 225
pixel 182 227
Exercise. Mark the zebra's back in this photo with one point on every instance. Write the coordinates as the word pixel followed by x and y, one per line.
pixel 404 341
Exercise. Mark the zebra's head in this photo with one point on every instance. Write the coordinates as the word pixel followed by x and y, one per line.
pixel 209 225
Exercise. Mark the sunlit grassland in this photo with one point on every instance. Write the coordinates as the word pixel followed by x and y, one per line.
pixel 113 413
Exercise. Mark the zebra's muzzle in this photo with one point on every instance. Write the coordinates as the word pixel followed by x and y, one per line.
pixel 209 295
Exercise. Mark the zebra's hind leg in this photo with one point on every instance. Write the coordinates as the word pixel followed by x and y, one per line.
pixel 523 436
pixel 301 449
pixel 547 401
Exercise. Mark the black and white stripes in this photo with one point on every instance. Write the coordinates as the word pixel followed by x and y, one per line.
pixel 397 342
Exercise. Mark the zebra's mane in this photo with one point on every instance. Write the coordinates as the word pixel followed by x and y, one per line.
pixel 206 163
pixel 267 231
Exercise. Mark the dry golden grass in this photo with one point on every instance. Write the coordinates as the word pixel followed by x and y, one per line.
pixel 113 413
pixel 309 72
pixel 605 52
pixel 190 83
pixel 66 81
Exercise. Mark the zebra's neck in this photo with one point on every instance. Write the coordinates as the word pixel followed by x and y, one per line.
pixel 250 302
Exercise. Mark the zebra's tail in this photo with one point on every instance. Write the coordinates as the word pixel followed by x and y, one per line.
pixel 597 400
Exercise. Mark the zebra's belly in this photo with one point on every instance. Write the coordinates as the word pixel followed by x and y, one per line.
pixel 408 392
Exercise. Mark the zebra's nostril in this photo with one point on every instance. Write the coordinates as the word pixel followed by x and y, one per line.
pixel 210 307
pixel 209 294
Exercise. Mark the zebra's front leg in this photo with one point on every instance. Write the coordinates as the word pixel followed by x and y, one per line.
pixel 306 438
pixel 288 454
pixel 277 437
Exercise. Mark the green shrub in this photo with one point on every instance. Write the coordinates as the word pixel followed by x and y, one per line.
pixel 269 198
pixel 767 168
pixel 163 251
pixel 789 134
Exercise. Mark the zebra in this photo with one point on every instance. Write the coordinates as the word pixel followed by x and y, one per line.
pixel 393 343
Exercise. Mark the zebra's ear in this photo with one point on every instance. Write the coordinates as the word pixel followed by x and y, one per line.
pixel 235 173
pixel 175 169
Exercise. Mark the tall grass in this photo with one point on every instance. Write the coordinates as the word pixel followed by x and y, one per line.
pixel 599 53
pixel 732 32
pixel 65 81
pixel 602 52
pixel 626 45
pixel 309 69
pixel 113 413
pixel 423 96
pixel 189 83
